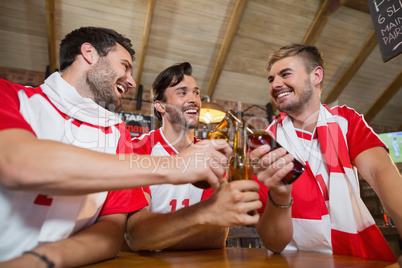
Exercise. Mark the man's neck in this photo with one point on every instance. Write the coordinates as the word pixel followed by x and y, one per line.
pixel 75 75
pixel 179 137
pixel 307 119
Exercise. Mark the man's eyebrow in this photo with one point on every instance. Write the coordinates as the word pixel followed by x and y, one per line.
pixel 285 70
pixel 130 66
pixel 186 88
pixel 128 62
pixel 281 72
pixel 180 88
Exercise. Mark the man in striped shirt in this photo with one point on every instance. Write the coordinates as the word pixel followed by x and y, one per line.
pixel 61 180
pixel 184 216
pixel 327 214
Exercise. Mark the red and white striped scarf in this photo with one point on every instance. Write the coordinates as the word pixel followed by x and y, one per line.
pixel 330 217
pixel 69 214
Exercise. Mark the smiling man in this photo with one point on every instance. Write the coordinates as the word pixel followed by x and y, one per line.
pixel 327 214
pixel 184 216
pixel 60 175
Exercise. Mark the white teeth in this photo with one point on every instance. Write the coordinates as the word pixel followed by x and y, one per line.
pixel 283 94
pixel 122 89
pixel 192 111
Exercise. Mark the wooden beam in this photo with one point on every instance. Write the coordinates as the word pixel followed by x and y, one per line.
pixel 225 47
pixel 326 10
pixel 51 35
pixel 360 5
pixel 391 90
pixel 352 68
pixel 144 43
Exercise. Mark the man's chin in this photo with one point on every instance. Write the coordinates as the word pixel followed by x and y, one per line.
pixel 192 124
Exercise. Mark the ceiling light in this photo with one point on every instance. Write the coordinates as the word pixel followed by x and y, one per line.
pixel 211 112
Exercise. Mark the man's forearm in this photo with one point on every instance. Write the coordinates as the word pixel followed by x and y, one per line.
pixel 50 167
pixel 98 242
pixel 377 168
pixel 209 237
pixel 389 193
pixel 177 230
pixel 275 227
pixel 56 168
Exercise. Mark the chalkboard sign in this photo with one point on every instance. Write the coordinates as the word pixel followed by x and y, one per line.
pixel 137 124
pixel 387 20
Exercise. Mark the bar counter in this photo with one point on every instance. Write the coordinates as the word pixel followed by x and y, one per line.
pixel 238 257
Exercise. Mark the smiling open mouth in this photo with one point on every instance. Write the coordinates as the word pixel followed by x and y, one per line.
pixel 191 111
pixel 121 89
pixel 283 94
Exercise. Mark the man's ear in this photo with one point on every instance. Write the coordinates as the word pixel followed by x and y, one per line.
pixel 160 106
pixel 89 53
pixel 318 73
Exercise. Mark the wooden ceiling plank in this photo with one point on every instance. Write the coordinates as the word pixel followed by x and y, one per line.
pixel 225 47
pixel 327 8
pixel 360 5
pixel 352 68
pixel 391 90
pixel 51 35
pixel 144 43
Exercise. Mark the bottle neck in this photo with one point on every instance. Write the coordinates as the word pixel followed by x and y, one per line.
pixel 239 145
pixel 227 127
pixel 235 120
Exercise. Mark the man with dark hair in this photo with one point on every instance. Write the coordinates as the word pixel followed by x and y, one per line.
pixel 327 213
pixel 181 217
pixel 53 191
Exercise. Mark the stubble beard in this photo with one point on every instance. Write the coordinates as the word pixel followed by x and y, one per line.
pixel 176 117
pixel 100 80
pixel 297 105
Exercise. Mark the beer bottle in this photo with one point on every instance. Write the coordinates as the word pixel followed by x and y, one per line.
pixel 255 139
pixel 224 131
pixel 240 167
pixel 261 137
pixel 228 123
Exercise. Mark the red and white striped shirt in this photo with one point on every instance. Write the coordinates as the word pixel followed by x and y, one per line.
pixel 55 111
pixel 167 197
pixel 328 213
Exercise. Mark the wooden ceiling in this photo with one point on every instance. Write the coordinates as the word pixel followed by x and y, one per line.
pixel 226 41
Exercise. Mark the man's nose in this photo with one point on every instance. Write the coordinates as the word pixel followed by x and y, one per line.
pixel 276 82
pixel 130 81
pixel 194 98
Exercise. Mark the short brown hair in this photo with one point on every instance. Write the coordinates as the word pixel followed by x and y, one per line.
pixel 310 55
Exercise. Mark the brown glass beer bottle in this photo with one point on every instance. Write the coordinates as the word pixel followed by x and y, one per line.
pixel 240 167
pixel 223 129
pixel 256 138
pixel 261 137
